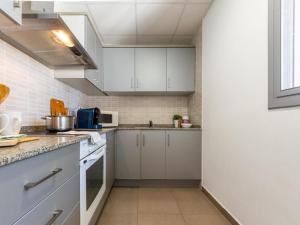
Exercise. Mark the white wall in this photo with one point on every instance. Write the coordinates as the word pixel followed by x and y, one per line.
pixel 251 156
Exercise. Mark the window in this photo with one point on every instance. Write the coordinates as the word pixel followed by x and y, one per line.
pixel 284 53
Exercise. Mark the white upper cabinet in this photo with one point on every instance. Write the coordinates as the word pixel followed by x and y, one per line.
pixel 96 76
pixel 90 39
pixel 181 69
pixel 150 69
pixel 100 63
pixel 90 81
pixel 118 69
pixel 11 9
pixel 83 31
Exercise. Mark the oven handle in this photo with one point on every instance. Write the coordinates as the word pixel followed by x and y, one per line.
pixel 91 159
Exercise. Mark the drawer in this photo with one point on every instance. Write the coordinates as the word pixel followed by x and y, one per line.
pixel 57 207
pixel 74 216
pixel 15 199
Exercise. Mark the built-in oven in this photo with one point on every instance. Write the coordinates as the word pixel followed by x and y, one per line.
pixel 92 183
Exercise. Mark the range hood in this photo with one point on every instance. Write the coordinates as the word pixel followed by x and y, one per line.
pixel 45 37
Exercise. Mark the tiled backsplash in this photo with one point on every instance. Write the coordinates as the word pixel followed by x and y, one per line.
pixel 32 85
pixel 195 100
pixel 141 109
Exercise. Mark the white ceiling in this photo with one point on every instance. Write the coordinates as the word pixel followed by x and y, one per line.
pixel 148 22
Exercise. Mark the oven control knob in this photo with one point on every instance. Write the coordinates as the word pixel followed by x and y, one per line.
pixel 85 161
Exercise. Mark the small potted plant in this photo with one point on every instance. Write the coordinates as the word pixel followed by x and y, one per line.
pixel 177 120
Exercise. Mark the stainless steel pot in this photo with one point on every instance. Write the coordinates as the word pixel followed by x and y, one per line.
pixel 59 123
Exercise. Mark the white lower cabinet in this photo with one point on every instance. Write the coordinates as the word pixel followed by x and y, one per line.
pixel 57 207
pixel 158 154
pixel 35 188
pixel 110 160
pixel 183 155
pixel 128 154
pixel 153 155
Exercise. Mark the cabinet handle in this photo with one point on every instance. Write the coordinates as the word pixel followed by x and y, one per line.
pixel 132 83
pixel 168 139
pixel 34 184
pixel 17 4
pixel 137 140
pixel 54 217
pixel 144 140
pixel 137 82
pixel 169 82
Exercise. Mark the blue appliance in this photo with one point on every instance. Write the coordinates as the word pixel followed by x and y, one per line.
pixel 88 118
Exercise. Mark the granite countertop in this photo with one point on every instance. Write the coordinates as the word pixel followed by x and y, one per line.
pixel 49 142
pixel 46 143
pixel 155 127
pixel 139 127
pixel 101 131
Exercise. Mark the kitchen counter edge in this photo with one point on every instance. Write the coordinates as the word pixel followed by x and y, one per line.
pixel 47 143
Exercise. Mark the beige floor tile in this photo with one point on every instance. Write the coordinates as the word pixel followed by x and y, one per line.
pixel 217 219
pixel 120 207
pixel 157 193
pixel 196 206
pixel 160 219
pixel 157 200
pixel 188 194
pixel 124 194
pixel 122 219
pixel 160 206
pixel 122 201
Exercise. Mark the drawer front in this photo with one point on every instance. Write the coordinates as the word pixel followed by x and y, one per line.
pixel 15 199
pixel 74 216
pixel 57 207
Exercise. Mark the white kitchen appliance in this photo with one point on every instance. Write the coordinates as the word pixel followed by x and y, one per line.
pixel 10 123
pixel 109 118
pixel 92 177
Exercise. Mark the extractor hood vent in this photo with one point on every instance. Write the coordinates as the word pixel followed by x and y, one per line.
pixel 46 38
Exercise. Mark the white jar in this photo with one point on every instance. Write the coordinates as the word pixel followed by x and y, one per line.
pixel 10 122
pixel 186 119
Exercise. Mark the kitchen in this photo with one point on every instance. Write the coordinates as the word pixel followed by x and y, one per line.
pixel 134 112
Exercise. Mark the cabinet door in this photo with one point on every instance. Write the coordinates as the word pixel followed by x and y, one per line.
pixel 12 9
pixel 76 23
pixel 183 155
pixel 110 165
pixel 128 154
pixel 100 71
pixel 150 69
pixel 90 39
pixel 95 76
pixel 153 155
pixel 181 69
pixel 118 69
pixel 91 75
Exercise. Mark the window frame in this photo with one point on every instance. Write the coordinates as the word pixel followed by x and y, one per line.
pixel 278 98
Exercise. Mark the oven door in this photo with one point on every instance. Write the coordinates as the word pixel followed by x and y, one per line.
pixel 92 183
